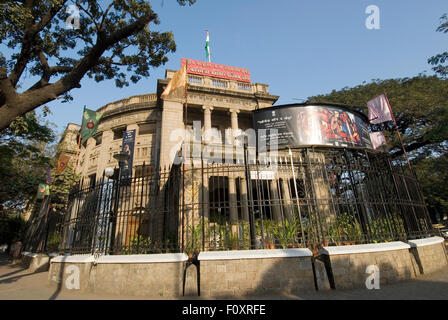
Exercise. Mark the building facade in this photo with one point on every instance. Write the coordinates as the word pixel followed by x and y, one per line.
pixel 217 104
pixel 210 192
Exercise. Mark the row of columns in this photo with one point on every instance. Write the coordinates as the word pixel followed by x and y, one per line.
pixel 208 117
pixel 232 184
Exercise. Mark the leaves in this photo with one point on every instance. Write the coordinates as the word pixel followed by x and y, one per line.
pixel 114 41
pixel 439 61
pixel 25 154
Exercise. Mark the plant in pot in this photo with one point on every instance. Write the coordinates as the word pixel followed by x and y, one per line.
pixel 193 246
pixel 269 238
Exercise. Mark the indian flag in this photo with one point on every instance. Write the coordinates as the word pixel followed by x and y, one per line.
pixel 207 48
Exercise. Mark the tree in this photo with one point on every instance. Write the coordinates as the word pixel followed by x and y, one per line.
pixel 432 174
pixel 108 42
pixel 25 155
pixel 419 104
pixel 440 61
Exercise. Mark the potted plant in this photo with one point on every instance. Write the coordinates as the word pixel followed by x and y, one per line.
pixel 193 246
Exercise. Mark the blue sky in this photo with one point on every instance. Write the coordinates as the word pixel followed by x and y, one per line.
pixel 300 48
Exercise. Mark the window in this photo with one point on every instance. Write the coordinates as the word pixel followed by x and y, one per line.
pixel 92 179
pixel 220 83
pixel 118 133
pixel 194 80
pixel 98 139
pixel 146 128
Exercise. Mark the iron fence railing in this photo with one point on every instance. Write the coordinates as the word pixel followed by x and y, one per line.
pixel 312 198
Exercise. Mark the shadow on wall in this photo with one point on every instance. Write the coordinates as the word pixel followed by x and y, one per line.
pixel 347 277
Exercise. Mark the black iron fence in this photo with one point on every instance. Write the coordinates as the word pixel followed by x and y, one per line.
pixel 44 228
pixel 311 198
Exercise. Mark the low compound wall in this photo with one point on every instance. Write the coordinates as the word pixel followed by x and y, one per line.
pixel 153 275
pixel 430 254
pixel 223 274
pixel 36 262
pixel 255 272
pixel 347 266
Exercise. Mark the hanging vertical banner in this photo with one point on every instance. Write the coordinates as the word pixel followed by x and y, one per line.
pixel 377 139
pixel 128 147
pixel 379 110
pixel 43 190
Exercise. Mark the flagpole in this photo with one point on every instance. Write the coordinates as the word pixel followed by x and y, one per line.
pixel 399 135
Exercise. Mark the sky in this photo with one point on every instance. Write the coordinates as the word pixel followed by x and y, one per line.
pixel 299 48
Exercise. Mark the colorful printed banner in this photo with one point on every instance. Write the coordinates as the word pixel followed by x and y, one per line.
pixel 298 125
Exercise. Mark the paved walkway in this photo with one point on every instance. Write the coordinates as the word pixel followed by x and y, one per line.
pixel 18 283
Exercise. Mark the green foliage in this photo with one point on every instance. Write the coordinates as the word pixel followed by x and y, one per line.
pixel 419 104
pixel 432 174
pixel 345 227
pixel 54 239
pixel 60 187
pixel 114 41
pixel 194 236
pixel 285 233
pixel 244 240
pixel 440 61
pixel 11 228
pixel 139 245
pixel 25 154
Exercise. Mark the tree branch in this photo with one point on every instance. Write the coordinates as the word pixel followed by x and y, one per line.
pixel 28 41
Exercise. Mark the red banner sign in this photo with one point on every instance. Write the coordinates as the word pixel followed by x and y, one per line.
pixel 216 70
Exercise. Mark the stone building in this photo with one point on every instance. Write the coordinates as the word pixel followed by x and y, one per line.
pixel 217 103
pixel 213 199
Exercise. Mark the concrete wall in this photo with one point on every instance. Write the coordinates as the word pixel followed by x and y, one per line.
pixel 255 272
pixel 429 254
pixel 240 273
pixel 348 265
pixel 154 275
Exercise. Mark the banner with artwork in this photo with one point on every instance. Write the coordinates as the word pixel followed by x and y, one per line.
pixel 128 147
pixel 304 125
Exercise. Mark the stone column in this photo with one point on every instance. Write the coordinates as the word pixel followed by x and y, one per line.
pixel 244 201
pixel 234 118
pixel 289 211
pixel 275 202
pixel 322 192
pixel 207 119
